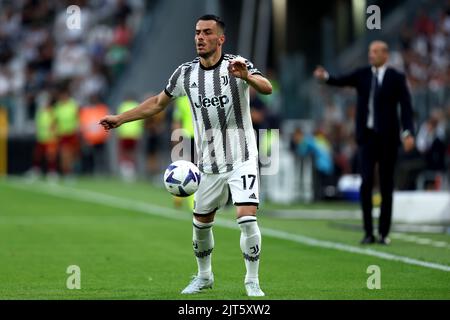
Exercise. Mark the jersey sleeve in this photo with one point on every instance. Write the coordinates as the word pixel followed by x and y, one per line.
pixel 174 88
pixel 251 68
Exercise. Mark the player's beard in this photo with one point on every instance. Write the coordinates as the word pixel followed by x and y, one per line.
pixel 206 55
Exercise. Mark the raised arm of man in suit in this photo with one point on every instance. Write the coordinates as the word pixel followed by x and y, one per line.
pixel 406 115
pixel 350 79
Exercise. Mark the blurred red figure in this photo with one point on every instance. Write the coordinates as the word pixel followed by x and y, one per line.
pixel 129 135
pixel 122 34
pixel 93 138
pixel 67 126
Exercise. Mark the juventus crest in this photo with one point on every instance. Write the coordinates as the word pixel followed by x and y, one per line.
pixel 224 80
pixel 255 249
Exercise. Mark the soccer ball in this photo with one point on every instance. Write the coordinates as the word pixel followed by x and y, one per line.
pixel 182 178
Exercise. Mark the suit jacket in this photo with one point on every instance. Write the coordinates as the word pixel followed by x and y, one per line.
pixel 393 91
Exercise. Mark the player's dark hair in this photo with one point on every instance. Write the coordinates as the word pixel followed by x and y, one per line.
pixel 217 19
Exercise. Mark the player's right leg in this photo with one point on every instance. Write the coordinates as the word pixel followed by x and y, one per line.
pixel 208 198
pixel 203 244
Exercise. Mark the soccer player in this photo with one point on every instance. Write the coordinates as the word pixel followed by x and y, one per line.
pixel 217 86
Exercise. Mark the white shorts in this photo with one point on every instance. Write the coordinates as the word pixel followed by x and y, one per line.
pixel 212 193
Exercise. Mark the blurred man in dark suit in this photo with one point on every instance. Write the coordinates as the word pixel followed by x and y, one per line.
pixel 380 90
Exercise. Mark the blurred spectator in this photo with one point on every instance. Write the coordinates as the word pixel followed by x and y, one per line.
pixel 46 149
pixel 332 115
pixel 349 147
pixel 93 137
pixel 411 165
pixel 258 111
pixel 182 119
pixel 424 25
pixel 37 12
pixel 447 140
pixel 447 130
pixel 122 33
pixel 431 141
pixel 10 22
pixel 129 135
pixel 98 41
pixel 33 85
pixel 118 53
pixel 72 60
pixel 155 127
pixel 122 10
pixel 44 60
pixel 116 58
pixel 5 91
pixel 425 52
pixel 264 119
pixel 272 101
pixel 92 84
pixel 340 154
pixel 319 148
pixel 67 126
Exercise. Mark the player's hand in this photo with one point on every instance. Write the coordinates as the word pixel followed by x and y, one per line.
pixel 110 122
pixel 238 68
pixel 320 73
pixel 408 143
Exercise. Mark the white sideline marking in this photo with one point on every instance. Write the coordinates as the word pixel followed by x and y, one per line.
pixel 418 240
pixel 155 210
pixel 440 244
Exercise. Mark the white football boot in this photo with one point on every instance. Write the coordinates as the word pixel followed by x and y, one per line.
pixel 253 289
pixel 197 284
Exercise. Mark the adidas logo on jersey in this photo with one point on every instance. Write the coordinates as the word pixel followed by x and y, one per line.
pixel 215 101
pixel 193 85
pixel 252 196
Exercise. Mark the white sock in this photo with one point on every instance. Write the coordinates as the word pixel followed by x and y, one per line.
pixel 250 246
pixel 203 243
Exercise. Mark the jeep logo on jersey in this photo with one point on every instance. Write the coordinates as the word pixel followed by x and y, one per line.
pixel 215 101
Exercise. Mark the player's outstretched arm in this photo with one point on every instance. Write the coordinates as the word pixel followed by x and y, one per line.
pixel 261 84
pixel 238 68
pixel 146 109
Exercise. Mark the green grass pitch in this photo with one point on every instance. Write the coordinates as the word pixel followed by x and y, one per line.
pixel 128 247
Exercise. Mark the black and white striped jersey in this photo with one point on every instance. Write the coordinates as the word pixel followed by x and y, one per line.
pixel 220 105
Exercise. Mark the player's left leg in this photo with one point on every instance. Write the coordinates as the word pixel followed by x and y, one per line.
pixel 244 186
pixel 251 247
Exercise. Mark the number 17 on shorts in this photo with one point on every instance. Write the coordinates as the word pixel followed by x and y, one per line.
pixel 244 184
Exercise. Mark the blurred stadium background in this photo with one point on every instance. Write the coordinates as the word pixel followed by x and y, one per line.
pixel 125 51
pixel 128 48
